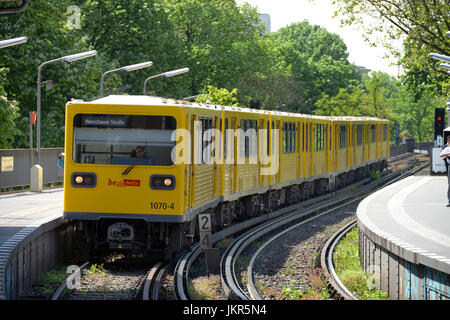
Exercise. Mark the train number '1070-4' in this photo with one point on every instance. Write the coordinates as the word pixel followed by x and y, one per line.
pixel 161 205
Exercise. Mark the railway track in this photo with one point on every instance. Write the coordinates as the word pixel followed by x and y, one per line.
pixel 286 216
pixel 92 282
pixel 148 282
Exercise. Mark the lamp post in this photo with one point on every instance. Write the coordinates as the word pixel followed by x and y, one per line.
pixel 129 68
pixel 70 58
pixel 12 42
pixel 167 74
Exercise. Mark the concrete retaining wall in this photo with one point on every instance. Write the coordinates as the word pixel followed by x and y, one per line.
pixel 399 273
pixel 34 251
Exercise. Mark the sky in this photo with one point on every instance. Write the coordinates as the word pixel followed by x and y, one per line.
pixel 320 12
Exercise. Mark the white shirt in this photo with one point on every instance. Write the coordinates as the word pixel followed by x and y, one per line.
pixel 446 150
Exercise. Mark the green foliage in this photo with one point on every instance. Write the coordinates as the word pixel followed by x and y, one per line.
pixel 220 40
pixel 316 61
pixel 96 269
pixel 48 282
pixel 415 112
pixel 134 31
pixel 421 25
pixel 9 112
pixel 299 68
pixel 219 96
pixel 349 271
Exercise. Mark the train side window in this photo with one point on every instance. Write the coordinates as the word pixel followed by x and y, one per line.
pixel 373 134
pixel 342 137
pixel 359 135
pixel 307 138
pixel 303 137
pixel 384 132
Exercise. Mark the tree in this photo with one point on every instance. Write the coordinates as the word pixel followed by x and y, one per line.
pixel 420 24
pixel 416 116
pixel 345 103
pixel 134 31
pixel 317 61
pixel 219 96
pixel 379 87
pixel 221 41
pixel 9 112
pixel 45 23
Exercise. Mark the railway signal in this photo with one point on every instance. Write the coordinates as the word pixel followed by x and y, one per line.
pixel 439 122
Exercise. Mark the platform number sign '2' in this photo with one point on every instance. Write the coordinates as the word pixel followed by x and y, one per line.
pixel 204 221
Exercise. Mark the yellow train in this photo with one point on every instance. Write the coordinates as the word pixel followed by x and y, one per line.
pixel 139 169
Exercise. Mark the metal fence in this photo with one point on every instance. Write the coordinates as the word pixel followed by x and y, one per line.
pixel 15 165
pixel 410 146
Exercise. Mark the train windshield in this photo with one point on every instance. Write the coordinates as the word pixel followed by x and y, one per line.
pixel 123 139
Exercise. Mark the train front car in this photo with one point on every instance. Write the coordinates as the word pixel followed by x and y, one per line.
pixel 122 187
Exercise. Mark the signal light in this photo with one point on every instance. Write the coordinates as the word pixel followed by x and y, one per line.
pixel 439 122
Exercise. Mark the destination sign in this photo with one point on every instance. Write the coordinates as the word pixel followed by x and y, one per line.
pixel 104 121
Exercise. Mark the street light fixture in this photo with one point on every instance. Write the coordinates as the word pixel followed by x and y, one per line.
pixel 440 57
pixel 129 68
pixel 167 74
pixel 12 42
pixel 69 58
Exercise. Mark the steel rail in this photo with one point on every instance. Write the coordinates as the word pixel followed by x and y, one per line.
pixel 328 249
pixel 232 254
pixel 181 273
pixel 63 286
pixel 153 281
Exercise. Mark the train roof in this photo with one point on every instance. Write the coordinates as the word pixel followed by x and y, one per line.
pixel 153 100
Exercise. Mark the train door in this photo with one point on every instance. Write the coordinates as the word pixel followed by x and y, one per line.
pixel 325 147
pixel 228 156
pixel 215 141
pixel 195 131
pixel 280 150
pixel 188 164
pixel 298 149
pixel 236 147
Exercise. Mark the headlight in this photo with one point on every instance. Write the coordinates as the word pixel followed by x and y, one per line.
pixel 84 180
pixel 162 182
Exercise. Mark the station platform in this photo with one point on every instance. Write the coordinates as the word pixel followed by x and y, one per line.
pixel 28 210
pixel 405 233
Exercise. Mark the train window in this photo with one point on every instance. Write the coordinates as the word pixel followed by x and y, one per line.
pixel 225 145
pixel 249 143
pixel 342 137
pixel 288 139
pixel 384 132
pixel 306 138
pixel 373 134
pixel 319 137
pixel 112 139
pixel 359 135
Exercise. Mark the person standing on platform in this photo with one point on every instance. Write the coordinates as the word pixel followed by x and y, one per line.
pixel 445 155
